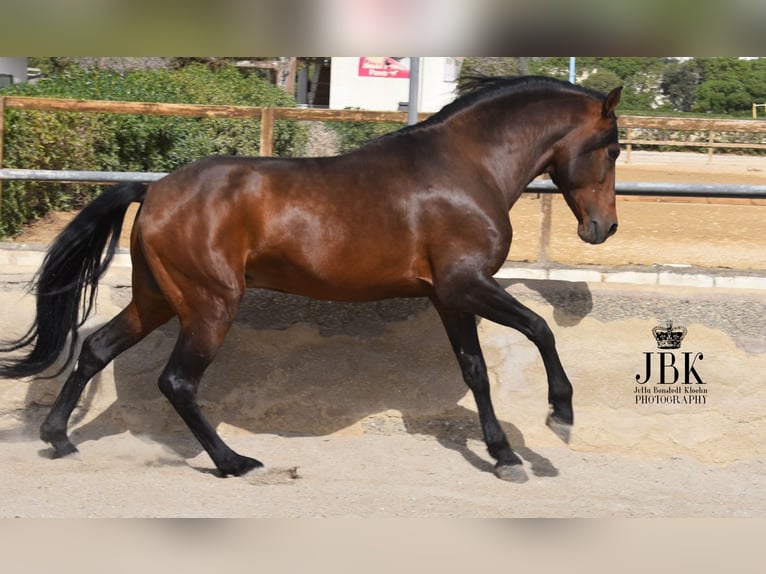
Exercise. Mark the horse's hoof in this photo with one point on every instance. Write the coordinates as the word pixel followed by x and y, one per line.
pixel 511 473
pixel 62 449
pixel 560 429
pixel 240 466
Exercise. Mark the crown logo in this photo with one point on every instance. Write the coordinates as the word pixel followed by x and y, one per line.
pixel 669 337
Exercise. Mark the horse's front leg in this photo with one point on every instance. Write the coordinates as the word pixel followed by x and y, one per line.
pixel 461 330
pixel 481 295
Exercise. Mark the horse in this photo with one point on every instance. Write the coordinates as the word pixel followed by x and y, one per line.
pixel 420 212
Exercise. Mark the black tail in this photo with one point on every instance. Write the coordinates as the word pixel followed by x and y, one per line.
pixel 68 279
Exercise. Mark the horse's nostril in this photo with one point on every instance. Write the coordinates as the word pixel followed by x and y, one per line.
pixel 612 230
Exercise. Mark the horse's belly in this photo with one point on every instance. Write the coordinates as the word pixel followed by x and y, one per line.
pixel 334 282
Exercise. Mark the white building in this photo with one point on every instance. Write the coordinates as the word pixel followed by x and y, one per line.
pixel 12 71
pixel 383 84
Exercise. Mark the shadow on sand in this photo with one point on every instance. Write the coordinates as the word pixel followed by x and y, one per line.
pixel 300 367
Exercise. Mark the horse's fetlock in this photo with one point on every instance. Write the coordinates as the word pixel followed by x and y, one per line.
pixel 47 433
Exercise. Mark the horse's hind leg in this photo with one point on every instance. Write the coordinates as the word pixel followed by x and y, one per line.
pixel 98 349
pixel 198 342
pixel 461 330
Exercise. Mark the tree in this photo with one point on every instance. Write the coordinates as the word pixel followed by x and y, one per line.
pixel 722 97
pixel 638 76
pixel 721 68
pixel 493 67
pixel 729 85
pixel 603 81
pixel 638 73
pixel 554 67
pixel 754 79
pixel 679 85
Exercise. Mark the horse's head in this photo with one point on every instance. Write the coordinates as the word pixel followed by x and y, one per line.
pixel 583 168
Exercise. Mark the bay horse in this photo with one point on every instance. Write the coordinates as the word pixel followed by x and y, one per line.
pixel 423 211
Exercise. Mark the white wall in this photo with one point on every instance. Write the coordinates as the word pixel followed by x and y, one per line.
pixel 16 67
pixel 438 80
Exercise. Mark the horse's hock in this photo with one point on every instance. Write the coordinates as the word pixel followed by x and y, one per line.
pixel 300 367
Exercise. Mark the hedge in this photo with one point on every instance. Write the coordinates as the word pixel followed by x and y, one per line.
pixel 121 142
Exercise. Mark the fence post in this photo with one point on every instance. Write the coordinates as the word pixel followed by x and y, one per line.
pixel 267 131
pixel 2 137
pixel 546 205
pixel 629 146
pixel 710 140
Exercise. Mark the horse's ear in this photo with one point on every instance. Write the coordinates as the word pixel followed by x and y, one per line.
pixel 610 102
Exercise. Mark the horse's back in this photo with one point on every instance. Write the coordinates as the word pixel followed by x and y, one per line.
pixel 329 228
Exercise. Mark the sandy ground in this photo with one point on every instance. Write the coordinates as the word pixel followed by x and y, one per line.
pixel 360 410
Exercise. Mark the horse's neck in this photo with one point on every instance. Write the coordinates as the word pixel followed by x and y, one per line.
pixel 521 147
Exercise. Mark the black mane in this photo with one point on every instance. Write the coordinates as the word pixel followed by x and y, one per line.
pixel 482 84
pixel 474 89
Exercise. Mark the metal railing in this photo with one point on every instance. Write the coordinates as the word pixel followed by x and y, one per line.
pixel 542 186
pixel 633 188
pixel 268 115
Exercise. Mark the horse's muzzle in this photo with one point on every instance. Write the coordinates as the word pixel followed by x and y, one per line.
pixel 594 232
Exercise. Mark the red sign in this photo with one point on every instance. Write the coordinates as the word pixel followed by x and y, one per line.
pixel 386 67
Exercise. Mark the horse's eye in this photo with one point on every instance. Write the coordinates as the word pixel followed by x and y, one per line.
pixel 614 153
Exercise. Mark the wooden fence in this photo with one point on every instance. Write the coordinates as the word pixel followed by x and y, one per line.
pixel 268 115
pixel 711 127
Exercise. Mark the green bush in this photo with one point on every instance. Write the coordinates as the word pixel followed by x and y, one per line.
pixel 351 135
pixel 122 142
